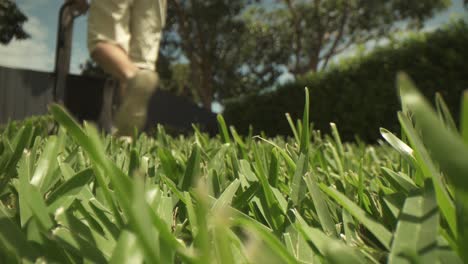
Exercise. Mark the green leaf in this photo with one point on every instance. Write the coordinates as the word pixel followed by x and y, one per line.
pixel 22 139
pixel 222 243
pixel 398 145
pixel 141 223
pixel 237 138
pixel 266 235
pixel 333 250
pixel 93 147
pixel 104 219
pixel 444 113
pixel 172 186
pixel 293 128
pixel 446 147
pixel 83 234
pixel 399 181
pixel 13 240
pixel 444 201
pixel 169 164
pixel 134 163
pixel 223 129
pixel 72 186
pixel 417 228
pixel 273 172
pixel 379 231
pixel 464 118
pixel 288 159
pixel 192 170
pixel 24 175
pixel 244 198
pixel 127 250
pixel 46 163
pixel 320 205
pixel 305 135
pixel 38 207
pixel 297 187
pixel 337 138
pixel 78 245
pixel 227 196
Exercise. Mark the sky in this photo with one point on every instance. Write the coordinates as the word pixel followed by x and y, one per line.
pixel 38 52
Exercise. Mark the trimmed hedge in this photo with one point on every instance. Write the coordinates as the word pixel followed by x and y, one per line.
pixel 359 95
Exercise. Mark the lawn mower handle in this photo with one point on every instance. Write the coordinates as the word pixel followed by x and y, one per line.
pixel 67 15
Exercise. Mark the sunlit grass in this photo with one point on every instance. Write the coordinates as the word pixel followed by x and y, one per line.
pixel 79 196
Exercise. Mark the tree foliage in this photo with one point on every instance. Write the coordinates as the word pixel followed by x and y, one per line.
pixel 237 47
pixel 225 48
pixel 359 93
pixel 319 30
pixel 206 33
pixel 11 22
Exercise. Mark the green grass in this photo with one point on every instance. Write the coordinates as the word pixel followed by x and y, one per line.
pixel 78 196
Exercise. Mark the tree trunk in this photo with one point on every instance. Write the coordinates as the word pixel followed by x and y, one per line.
pixel 206 87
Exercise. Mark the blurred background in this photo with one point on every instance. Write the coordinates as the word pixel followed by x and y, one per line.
pixel 251 60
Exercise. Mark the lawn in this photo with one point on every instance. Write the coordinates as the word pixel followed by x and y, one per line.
pixel 73 195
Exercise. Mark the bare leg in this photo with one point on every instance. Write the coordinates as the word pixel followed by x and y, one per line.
pixel 136 86
pixel 114 60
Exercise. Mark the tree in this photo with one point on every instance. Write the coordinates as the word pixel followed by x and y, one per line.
pixel 205 33
pixel 219 40
pixel 319 30
pixel 11 22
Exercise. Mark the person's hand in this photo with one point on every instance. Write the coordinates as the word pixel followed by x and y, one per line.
pixel 80 6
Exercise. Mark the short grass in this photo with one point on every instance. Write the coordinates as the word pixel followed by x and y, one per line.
pixel 81 197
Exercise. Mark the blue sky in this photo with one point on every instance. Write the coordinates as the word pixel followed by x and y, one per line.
pixel 38 52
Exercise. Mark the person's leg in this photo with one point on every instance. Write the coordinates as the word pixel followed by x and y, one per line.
pixel 112 34
pixel 146 21
pixel 109 37
pixel 114 60
pixel 108 44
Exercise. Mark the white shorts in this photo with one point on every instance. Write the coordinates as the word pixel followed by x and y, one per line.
pixel 134 25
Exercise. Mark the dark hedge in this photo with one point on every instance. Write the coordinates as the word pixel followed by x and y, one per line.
pixel 359 95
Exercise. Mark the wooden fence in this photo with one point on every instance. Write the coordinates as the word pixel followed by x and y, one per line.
pixel 24 93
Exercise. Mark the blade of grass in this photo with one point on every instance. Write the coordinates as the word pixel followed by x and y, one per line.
pixel 377 229
pixel 337 138
pixel 13 239
pixel 417 228
pixel 297 187
pixel 321 207
pixel 127 250
pixel 266 235
pixel 305 135
pixel 444 113
pixel 446 204
pixel 464 118
pixel 227 196
pixel 399 181
pixel 398 145
pixel 72 186
pixel 192 170
pixel 223 129
pixel 78 245
pixel 93 147
pixel 328 247
pixel 446 147
pixel 293 128
pixel 22 138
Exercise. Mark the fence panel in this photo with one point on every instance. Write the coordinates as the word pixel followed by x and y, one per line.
pixel 24 93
